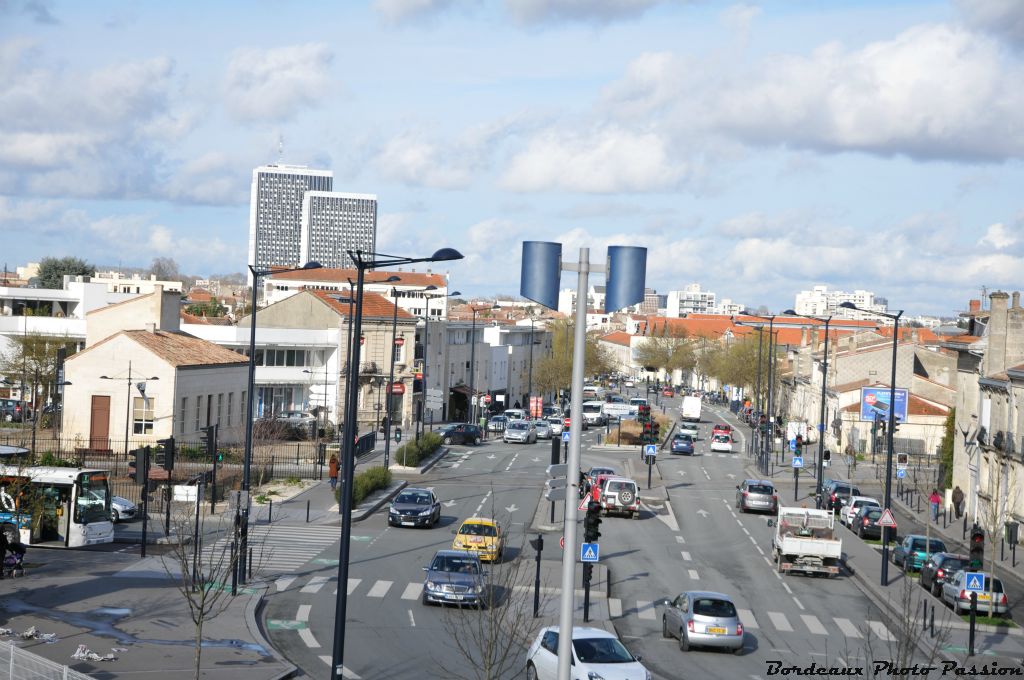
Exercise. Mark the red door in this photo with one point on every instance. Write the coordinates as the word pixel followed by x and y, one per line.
pixel 99 423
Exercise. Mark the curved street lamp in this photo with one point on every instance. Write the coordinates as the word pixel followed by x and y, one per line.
pixel 426 357
pixel 770 418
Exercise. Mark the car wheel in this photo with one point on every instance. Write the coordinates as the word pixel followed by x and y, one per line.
pixel 476 441
pixel 860 533
pixel 424 600
pixel 665 632
pixel 936 589
pixel 738 651
pixel 531 672
pixel 446 440
pixel 114 516
pixel 684 644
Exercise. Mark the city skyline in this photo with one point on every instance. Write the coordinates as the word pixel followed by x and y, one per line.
pixel 761 150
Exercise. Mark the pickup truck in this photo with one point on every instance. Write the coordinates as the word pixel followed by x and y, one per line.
pixel 805 541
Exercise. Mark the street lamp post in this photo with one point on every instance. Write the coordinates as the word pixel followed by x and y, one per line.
pixel 243 522
pixel 770 439
pixel 889 432
pixel 363 262
pixel 391 374
pixel 426 343
pixel 472 364
pixel 529 379
pixel 128 403
pixel 821 416
pixel 757 423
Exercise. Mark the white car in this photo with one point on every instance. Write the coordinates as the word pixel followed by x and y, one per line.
pixel 690 429
pixel 721 443
pixel 556 424
pixel 596 653
pixel 121 509
pixel 852 505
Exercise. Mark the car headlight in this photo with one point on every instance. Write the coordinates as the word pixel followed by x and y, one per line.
pixel 594 675
pixel 432 586
pixel 426 512
pixel 392 511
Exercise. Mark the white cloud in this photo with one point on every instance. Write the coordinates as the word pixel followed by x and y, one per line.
pixel 415 161
pixel 276 84
pixel 933 91
pixel 740 17
pixel 604 159
pixel 593 11
pixel 1004 18
pixel 398 11
pixel 998 236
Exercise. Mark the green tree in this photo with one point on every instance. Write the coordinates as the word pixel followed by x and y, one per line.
pixel 554 371
pixel 735 363
pixel 211 308
pixel 670 352
pixel 32 359
pixel 946 449
pixel 53 269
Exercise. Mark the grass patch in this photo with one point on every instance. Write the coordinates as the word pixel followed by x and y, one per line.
pixel 990 621
pixel 293 481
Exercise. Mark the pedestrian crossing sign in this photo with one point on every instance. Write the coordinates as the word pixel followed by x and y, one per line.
pixel 565 436
pixel 589 552
pixel 974 582
pixel 798 461
pixel 900 474
pixel 651 450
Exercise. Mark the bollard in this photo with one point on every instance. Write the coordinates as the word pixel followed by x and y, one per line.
pixel 1013 553
pixel 270 511
pixel 296 454
pixel 924 617
pixel 919 501
pixel 250 564
pixel 933 622
pixel 945 518
pixel 963 536
pixel 307 512
pixel 1002 549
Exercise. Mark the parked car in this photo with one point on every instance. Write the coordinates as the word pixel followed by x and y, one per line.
pixel 462 433
pixel 597 483
pixel 992 601
pixel 940 569
pixel 912 552
pixel 703 619
pixel 543 428
pixel 497 424
pixel 620 495
pixel 721 443
pixel 521 431
pixel 14 411
pixel 121 509
pixel 629 383
pixel 757 494
pixel 865 523
pixel 556 425
pixel 852 506
pixel 596 653
pixel 682 443
pixel 482 537
pixel 836 492
pixel 454 577
pixel 414 508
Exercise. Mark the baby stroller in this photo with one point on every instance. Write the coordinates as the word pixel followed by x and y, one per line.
pixel 14 561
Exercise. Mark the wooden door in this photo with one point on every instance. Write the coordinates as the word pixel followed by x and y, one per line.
pixel 99 423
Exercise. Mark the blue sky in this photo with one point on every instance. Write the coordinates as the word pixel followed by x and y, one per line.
pixel 757 149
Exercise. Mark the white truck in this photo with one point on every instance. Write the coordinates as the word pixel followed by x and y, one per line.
pixel 616 407
pixel 691 409
pixel 805 541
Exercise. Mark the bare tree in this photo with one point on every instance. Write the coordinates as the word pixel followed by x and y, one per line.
pixel 993 511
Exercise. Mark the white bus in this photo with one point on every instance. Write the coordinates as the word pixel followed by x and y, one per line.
pixel 55 506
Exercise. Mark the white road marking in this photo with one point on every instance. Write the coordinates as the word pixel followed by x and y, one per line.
pixel 380 589
pixel 786 586
pixel 849 630
pixel 345 673
pixel 614 607
pixel 879 629
pixel 645 609
pixel 752 539
pixel 283 583
pixel 306 635
pixel 767 561
pixel 681 540
pixel 479 507
pixel 314 585
pixel 758 548
pixel 353 583
pixel 686 555
pixel 780 621
pixel 303 613
pixel 813 624
pixel 706 473
pixel 669 519
pixel 412 620
pixel 745 530
pixel 412 591
pixel 693 574
pixel 798 602
pixel 747 617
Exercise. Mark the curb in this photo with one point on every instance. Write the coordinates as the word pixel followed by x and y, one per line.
pixel 367 509
pixel 253 609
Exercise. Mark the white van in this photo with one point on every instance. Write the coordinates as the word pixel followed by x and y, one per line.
pixel 635 403
pixel 593 412
pixel 515 414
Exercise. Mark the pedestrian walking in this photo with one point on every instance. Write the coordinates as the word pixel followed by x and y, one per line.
pixel 936 500
pixel 332 471
pixel 958 502
pixel 3 551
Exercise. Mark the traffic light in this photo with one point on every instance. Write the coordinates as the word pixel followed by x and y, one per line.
pixel 977 547
pixel 655 432
pixel 591 522
pixel 799 440
pixel 138 465
pixel 588 572
pixel 165 453
pixel 826 455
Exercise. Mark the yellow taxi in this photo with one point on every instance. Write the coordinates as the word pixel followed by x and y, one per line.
pixel 482 537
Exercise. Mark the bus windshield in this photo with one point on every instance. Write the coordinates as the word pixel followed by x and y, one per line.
pixel 93 502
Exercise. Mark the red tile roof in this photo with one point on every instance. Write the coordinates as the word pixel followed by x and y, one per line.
pixel 376 276
pixel 375 305
pixel 182 349
pixel 618 338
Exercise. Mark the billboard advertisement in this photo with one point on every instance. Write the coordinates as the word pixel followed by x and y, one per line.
pixel 875 401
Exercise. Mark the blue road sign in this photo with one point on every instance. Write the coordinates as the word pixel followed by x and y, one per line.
pixel 651 450
pixel 974 581
pixel 792 444
pixel 900 474
pixel 798 461
pixel 590 552
pixel 565 436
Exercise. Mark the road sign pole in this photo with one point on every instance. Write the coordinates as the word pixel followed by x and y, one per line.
pixel 796 483
pixel 649 467
pixel 970 633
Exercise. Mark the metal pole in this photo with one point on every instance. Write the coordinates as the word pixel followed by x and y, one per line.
pixel 536 579
pixel 127 411
pixel 348 433
pixel 391 379
pixel 565 618
pixel 888 455
pixel 769 417
pixel 195 539
pixel 821 419
pixel 756 438
pixel 529 381
pixel 426 360
pixel 243 503
pixel 348 461
pixel 472 370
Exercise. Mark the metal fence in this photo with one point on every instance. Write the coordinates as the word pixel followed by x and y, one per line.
pixel 23 665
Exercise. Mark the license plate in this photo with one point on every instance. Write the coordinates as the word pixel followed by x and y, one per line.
pixel 984 596
pixel 454 597
pixel 716 630
pixel 408 524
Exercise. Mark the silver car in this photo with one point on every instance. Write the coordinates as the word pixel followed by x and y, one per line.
pixel 757 494
pixel 521 431
pixel 954 594
pixel 121 509
pixel 556 424
pixel 702 619
pixel 543 428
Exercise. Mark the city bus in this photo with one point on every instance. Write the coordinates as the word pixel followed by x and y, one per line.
pixel 58 507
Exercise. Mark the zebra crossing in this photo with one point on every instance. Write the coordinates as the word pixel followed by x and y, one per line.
pixel 280 549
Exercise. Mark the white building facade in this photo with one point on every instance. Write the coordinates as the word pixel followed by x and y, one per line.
pixel 690 300
pixel 334 223
pixel 822 302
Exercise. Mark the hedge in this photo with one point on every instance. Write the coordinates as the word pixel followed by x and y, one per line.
pixel 366 482
pixel 412 453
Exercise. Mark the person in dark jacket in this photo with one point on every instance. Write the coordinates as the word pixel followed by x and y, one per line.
pixel 958 502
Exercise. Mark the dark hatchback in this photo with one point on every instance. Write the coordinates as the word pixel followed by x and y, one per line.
pixel 462 433
pixel 939 569
pixel 682 443
pixel 414 508
pixel 865 522
pixel 836 492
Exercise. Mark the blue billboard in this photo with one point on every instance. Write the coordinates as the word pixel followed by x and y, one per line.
pixel 874 402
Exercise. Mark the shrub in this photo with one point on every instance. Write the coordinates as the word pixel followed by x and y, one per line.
pixel 50 459
pixel 412 453
pixel 366 482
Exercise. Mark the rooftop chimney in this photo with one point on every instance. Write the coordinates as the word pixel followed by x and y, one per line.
pixel 1016 300
pixel 974 306
pixel 151 328
pixel 996 354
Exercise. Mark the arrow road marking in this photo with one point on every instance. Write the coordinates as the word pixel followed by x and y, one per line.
pixel 703 513
pixel 682 473
pixel 491 457
pixel 536 460
pixel 512 508
pixel 449 503
pixel 731 476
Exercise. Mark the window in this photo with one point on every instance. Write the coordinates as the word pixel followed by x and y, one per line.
pixel 142 415
pixel 231 398
pixel 242 403
pixel 220 406
pixel 184 415
pixel 199 412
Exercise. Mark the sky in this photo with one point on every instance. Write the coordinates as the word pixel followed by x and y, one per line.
pixel 757 149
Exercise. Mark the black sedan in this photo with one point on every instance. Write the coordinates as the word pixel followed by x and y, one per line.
pixel 414 508
pixel 939 568
pixel 462 433
pixel 865 522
